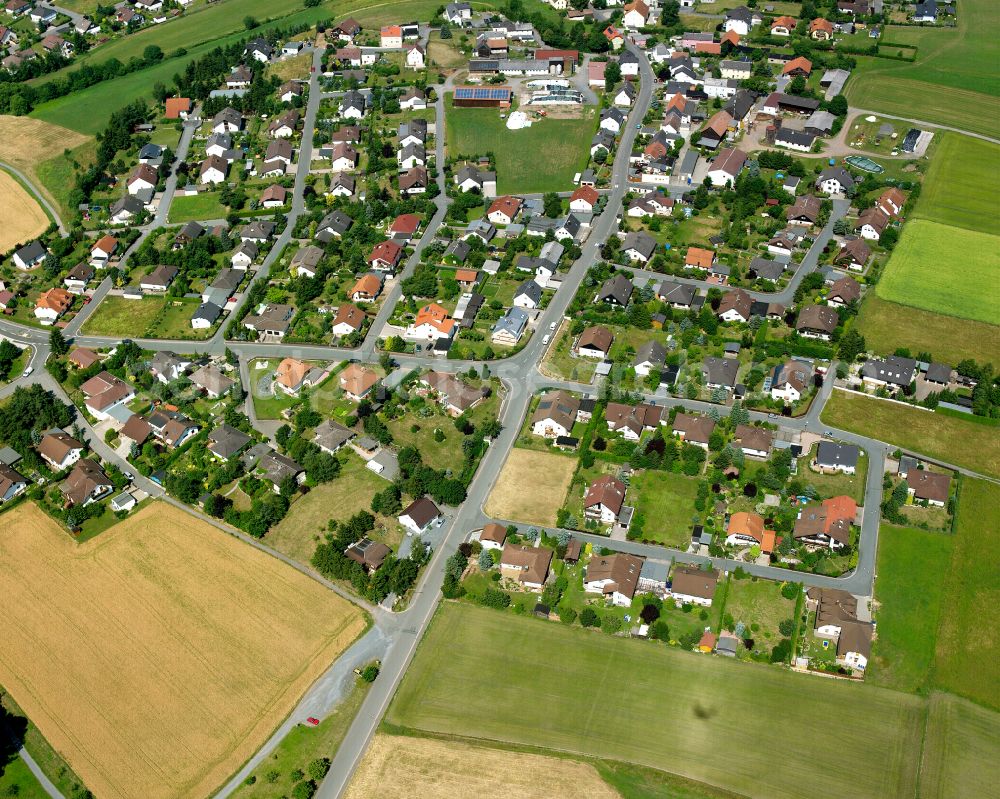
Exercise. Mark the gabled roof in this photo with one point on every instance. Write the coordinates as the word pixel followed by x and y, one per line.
pixel 596 337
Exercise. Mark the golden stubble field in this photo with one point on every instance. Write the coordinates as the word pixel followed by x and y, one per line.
pixel 21 217
pixel 403 766
pixel 160 655
pixel 25 142
pixel 531 487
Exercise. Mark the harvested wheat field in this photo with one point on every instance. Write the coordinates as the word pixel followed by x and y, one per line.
pixel 25 141
pixel 21 217
pixel 531 487
pixel 157 657
pixel 403 766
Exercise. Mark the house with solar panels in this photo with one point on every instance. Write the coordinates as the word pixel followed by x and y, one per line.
pixel 483 96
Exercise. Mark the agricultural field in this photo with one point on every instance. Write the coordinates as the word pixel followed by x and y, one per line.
pixel 968 660
pixel 397 765
pixel 958 188
pixel 476 131
pixel 936 435
pixel 25 142
pixel 22 218
pixel 961 750
pixel 909 592
pixel 947 58
pixel 887 326
pixel 531 487
pixel 916 276
pixel 204 611
pixel 666 500
pixel 489 675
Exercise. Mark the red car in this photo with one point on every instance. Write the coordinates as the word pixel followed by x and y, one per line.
pixel 313 720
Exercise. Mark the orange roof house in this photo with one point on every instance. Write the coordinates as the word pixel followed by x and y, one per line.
pixel 678 101
pixel 745 527
pixel 508 206
pixel 820 28
pixel 699 258
pixel 730 36
pixel 290 373
pixel 436 317
pixel 357 381
pixel 709 48
pixel 55 299
pixel 367 288
pixel 177 107
pixel 786 22
pixel 798 66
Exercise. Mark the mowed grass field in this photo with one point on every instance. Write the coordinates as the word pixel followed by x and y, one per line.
pixel 946 84
pixel 968 641
pixel 489 675
pixel 667 502
pixel 961 755
pixel 959 187
pixel 887 326
pixel 402 765
pixel 945 269
pixel 21 216
pixel 520 168
pixel 160 655
pixel 909 590
pixel 946 438
pixel 531 487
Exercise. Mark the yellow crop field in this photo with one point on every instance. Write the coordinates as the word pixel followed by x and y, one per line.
pixel 432 769
pixel 157 657
pixel 25 142
pixel 21 217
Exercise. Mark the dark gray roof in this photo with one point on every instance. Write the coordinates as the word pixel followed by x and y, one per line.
pixel 720 371
pixel 226 441
pixel 829 453
pixel 894 370
pixel 618 288
pixel 641 242
pixel 530 289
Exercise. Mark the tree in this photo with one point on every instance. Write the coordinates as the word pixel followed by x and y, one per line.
pixel 551 205
pixel 852 344
pixel 317 769
pixel 589 618
pixel 786 626
pixel 58 343
pixel 612 74
pixel 485 560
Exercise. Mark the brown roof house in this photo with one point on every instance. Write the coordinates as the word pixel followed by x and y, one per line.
pixel 594 342
pixel 418 517
pixel 615 576
pixel 103 392
pixel 555 415
pixel 60 450
pixel 293 375
pixel 854 255
pixel 827 523
pixel 929 487
pixel 370 554
pixel 527 565
pixel 493 536
pixel 817 321
pixel 843 292
pixel 456 396
pixel 86 483
pixel 694 586
pixel 631 420
pixel 790 380
pixel 754 441
pixel 694 429
pixel 604 499
pixel 837 617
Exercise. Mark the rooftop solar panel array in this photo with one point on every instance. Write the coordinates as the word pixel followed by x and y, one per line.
pixel 482 93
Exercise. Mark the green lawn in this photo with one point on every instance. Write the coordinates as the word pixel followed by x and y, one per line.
pixel 666 500
pixel 888 325
pixel 301 747
pixel 959 187
pixel 17 780
pixel 116 316
pixel 761 607
pixel 944 269
pixel 946 84
pixel 839 484
pixel 477 131
pixel 268 407
pixel 968 653
pixel 952 440
pixel 909 589
pixel 489 675
pixel 199 206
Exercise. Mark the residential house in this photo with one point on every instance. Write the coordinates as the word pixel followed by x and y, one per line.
pixel 755 442
pixel 385 257
pixel 528 295
pixel 59 449
pixel 528 566
pixel 356 381
pixel 726 166
pixel 835 180
pixel 817 321
pixel 827 523
pixel 432 323
pixel 678 295
pixel 85 484
pixel 493 536
pixel 367 288
pixel 871 223
pixel 821 29
pixel 594 342
pixel 330 436
pixel 719 372
pixel 212 381
pixel 614 576
pixel 631 420
pixel 509 328
pixel 555 415
pixel 854 255
pixel 843 292
pixel 51 304
pixel 837 457
pixel 735 306
pixel 790 381
pixel 504 210
pixel 638 246
pixel 78 277
pixel 747 529
pixel 930 487
pixel 893 373
pixel 693 586
pixel 334 225
pixel 694 429
pixel 649 357
pixel 348 319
